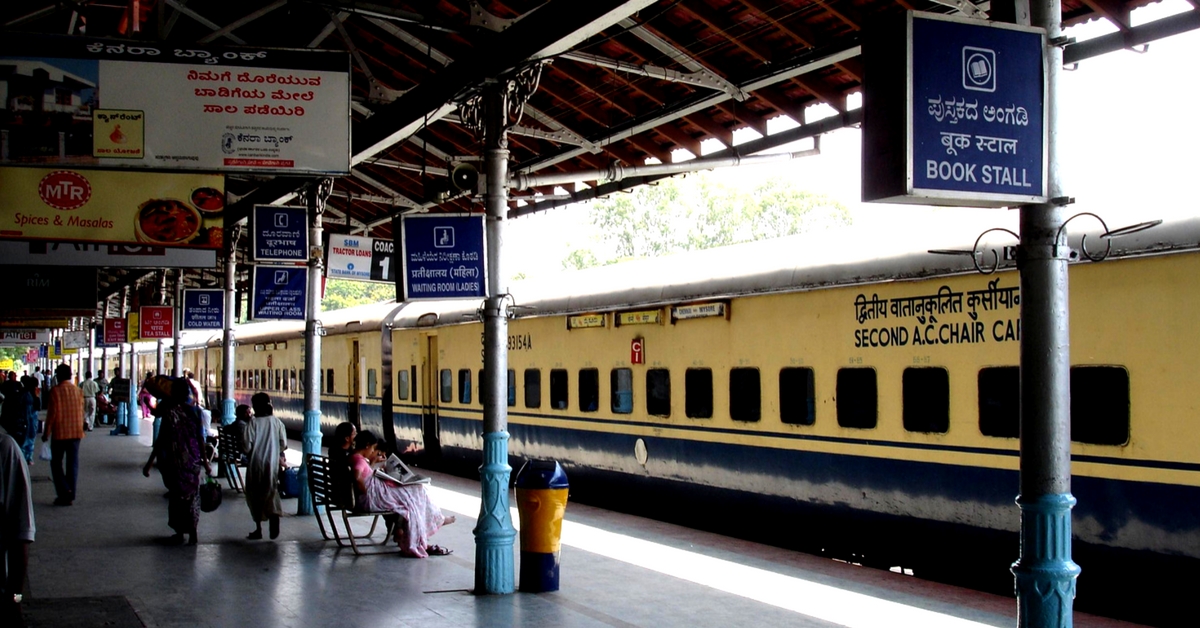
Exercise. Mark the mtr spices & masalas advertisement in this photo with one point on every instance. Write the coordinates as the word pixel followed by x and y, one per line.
pixel 169 210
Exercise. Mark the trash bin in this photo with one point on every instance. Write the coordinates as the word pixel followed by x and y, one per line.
pixel 541 502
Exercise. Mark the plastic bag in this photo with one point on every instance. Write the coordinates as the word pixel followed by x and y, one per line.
pixel 210 495
pixel 44 452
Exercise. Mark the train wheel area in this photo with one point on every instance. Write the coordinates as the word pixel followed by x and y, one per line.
pixel 102 554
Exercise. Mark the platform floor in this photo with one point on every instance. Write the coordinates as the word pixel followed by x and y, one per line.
pixel 98 563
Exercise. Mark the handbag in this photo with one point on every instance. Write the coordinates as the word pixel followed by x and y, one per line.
pixel 44 452
pixel 210 495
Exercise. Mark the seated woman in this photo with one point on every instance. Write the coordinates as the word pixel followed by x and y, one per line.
pixel 341 481
pixel 421 517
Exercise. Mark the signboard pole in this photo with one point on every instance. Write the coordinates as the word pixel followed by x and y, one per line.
pixel 228 403
pixel 316 194
pixel 1045 500
pixel 177 354
pixel 495 533
pixel 91 366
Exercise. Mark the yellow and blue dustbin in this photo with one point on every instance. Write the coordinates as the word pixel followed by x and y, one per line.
pixel 541 502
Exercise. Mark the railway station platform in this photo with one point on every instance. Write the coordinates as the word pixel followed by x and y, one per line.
pixel 99 563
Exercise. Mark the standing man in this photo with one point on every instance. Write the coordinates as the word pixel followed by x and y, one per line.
pixel 264 441
pixel 64 428
pixel 16 529
pixel 89 388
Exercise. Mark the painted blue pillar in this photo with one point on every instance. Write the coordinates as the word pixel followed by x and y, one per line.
pixel 135 422
pixel 157 425
pixel 494 532
pixel 228 410
pixel 122 414
pixel 315 194
pixel 1045 573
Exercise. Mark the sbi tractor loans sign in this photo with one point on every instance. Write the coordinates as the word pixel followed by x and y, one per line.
pixel 443 256
pixel 963 122
pixel 360 258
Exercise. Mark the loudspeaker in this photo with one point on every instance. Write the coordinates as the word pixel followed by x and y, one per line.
pixel 465 177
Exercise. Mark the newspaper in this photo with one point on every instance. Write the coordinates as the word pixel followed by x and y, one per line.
pixel 394 470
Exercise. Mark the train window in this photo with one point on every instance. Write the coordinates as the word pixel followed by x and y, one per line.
pixel 698 393
pixel 464 385
pixel 278 380
pixel 558 389
pixel 512 388
pixel 797 402
pixel 329 381
pixel 658 392
pixel 745 395
pixel 999 401
pixel 533 388
pixel 621 383
pixel 446 393
pixel 295 387
pixel 926 400
pixel 589 390
pixel 1100 405
pixel 372 383
pixel 402 385
pixel 857 398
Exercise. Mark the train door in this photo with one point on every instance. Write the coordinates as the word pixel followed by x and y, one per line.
pixel 354 385
pixel 429 390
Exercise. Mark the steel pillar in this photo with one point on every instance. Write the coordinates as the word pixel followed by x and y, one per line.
pixel 91 363
pixel 177 354
pixel 494 533
pixel 1045 574
pixel 316 194
pixel 228 401
pixel 160 357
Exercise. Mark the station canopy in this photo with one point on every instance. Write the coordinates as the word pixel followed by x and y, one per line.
pixel 620 82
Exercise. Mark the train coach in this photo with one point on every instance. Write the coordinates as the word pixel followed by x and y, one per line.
pixel 853 404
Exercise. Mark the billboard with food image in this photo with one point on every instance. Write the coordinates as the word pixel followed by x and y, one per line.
pixel 167 210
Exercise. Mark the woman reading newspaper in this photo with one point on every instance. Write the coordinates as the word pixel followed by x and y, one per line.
pixel 379 491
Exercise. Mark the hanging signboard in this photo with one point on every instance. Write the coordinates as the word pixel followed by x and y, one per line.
pixel 6 364
pixel 204 309
pixel 133 328
pixel 280 293
pixel 10 337
pixel 442 256
pixel 162 210
pixel 156 321
pixel 140 105
pixel 31 289
pixel 75 339
pixel 645 317
pixel 50 253
pixel 32 356
pixel 114 331
pixel 280 234
pixel 360 258
pixel 954 112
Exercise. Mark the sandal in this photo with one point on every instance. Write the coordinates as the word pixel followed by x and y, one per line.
pixel 254 536
pixel 438 550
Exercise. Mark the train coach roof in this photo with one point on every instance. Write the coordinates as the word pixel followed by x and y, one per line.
pixel 797 263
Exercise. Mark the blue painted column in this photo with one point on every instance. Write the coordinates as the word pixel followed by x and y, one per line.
pixel 494 532
pixel 1045 574
pixel 228 346
pixel 135 422
pixel 122 414
pixel 316 193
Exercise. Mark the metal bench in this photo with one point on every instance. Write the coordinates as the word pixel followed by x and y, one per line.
pixel 320 487
pixel 228 455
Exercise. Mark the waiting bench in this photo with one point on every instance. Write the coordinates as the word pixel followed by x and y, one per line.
pixel 321 488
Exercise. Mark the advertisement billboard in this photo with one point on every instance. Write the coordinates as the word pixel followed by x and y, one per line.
pixel 360 258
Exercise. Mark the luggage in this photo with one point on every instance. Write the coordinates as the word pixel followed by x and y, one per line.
pixel 210 495
pixel 289 482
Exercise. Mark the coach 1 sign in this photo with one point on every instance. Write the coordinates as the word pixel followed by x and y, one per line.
pixel 954 113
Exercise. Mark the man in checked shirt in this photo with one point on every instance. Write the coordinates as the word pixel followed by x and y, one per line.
pixel 64 428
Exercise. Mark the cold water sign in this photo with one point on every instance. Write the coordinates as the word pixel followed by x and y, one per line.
pixel 280 234
pixel 975 115
pixel 280 292
pixel 443 256
pixel 203 309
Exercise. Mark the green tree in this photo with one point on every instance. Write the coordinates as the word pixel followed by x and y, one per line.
pixel 343 293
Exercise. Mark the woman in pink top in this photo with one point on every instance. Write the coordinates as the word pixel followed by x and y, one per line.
pixel 420 517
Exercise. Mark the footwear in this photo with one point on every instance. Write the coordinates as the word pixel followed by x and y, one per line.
pixel 255 535
pixel 62 502
pixel 193 538
pixel 174 539
pixel 438 550
pixel 274 526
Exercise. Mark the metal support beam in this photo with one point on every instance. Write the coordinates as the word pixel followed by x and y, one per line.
pixel 1136 36
pixel 494 533
pixel 177 330
pixel 179 6
pixel 228 364
pixel 1045 574
pixel 236 24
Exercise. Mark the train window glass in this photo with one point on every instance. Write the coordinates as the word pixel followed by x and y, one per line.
pixel 797 403
pixel 402 385
pixel 698 393
pixel 857 398
pixel 533 388
pixel 658 392
pixel 295 381
pixel 512 388
pixel 464 385
pixel 446 386
pixel 621 383
pixel 372 383
pixel 745 395
pixel 999 401
pixel 1100 405
pixel 926 400
pixel 278 380
pixel 589 390
pixel 482 385
pixel 329 381
pixel 558 389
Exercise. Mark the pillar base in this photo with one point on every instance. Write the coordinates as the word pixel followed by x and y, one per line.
pixel 1045 574
pixel 494 532
pixel 312 446
pixel 228 411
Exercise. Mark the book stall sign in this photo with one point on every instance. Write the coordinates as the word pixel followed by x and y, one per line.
pixel 443 256
pixel 10 337
pixel 280 234
pixel 280 293
pixel 141 105
pixel 204 309
pixel 115 331
pixel 360 258
pixel 957 113
pixel 144 208
pixel 156 321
